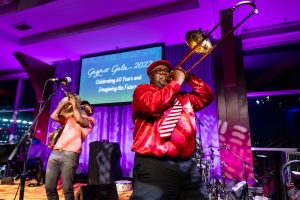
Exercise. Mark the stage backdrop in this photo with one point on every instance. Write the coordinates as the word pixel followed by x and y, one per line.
pixel 114 122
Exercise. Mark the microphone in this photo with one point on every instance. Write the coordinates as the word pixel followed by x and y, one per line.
pixel 59 80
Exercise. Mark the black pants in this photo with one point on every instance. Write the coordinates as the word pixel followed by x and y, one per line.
pixel 166 179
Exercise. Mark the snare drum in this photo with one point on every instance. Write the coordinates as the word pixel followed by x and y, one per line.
pixel 123 185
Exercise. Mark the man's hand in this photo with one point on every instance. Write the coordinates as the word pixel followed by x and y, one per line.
pixel 73 100
pixel 178 75
pixel 64 101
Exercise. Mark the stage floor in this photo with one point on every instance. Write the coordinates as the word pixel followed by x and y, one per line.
pixel 8 192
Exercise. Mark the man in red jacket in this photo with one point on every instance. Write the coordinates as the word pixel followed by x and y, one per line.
pixel 164 134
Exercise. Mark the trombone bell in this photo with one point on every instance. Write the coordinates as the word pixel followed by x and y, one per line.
pixel 199 42
pixel 194 38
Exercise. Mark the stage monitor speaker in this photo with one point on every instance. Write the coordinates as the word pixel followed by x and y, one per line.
pixel 98 192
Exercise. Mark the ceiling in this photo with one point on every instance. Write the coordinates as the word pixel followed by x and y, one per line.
pixel 68 29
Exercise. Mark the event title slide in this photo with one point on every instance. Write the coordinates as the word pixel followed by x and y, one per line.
pixel 112 78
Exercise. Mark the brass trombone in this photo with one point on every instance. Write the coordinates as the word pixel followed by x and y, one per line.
pixel 199 42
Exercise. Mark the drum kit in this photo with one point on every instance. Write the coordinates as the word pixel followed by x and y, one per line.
pixel 215 186
pixel 206 164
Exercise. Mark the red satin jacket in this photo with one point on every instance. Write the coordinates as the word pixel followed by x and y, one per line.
pixel 151 106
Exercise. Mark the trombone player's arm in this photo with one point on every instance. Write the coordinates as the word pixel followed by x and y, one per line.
pixel 82 121
pixel 56 115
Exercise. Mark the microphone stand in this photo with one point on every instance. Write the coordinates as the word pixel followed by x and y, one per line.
pixel 27 144
pixel 245 187
pixel 199 142
pixel 226 194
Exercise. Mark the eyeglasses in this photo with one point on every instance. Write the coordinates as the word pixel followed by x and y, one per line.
pixel 160 70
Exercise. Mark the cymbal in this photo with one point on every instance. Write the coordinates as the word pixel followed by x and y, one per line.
pixel 210 155
pixel 211 147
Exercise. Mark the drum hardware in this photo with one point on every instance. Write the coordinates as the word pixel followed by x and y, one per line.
pixel 246 194
pixel 210 179
pixel 223 191
pixel 197 157
pixel 217 189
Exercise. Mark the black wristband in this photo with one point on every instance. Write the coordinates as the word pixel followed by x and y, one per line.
pixel 188 77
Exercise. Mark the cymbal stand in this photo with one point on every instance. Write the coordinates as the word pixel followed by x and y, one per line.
pixel 198 154
pixel 212 186
pixel 219 190
pixel 246 194
pixel 245 187
pixel 206 176
pixel 204 167
pixel 223 172
pixel 226 194
pixel 216 189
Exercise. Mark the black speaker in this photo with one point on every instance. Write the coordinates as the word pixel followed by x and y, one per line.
pixel 5 151
pixel 104 163
pixel 98 192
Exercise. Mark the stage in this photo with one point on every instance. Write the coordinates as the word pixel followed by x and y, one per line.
pixel 8 192
pixel 245 135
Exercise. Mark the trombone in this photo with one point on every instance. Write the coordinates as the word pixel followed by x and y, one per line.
pixel 199 42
